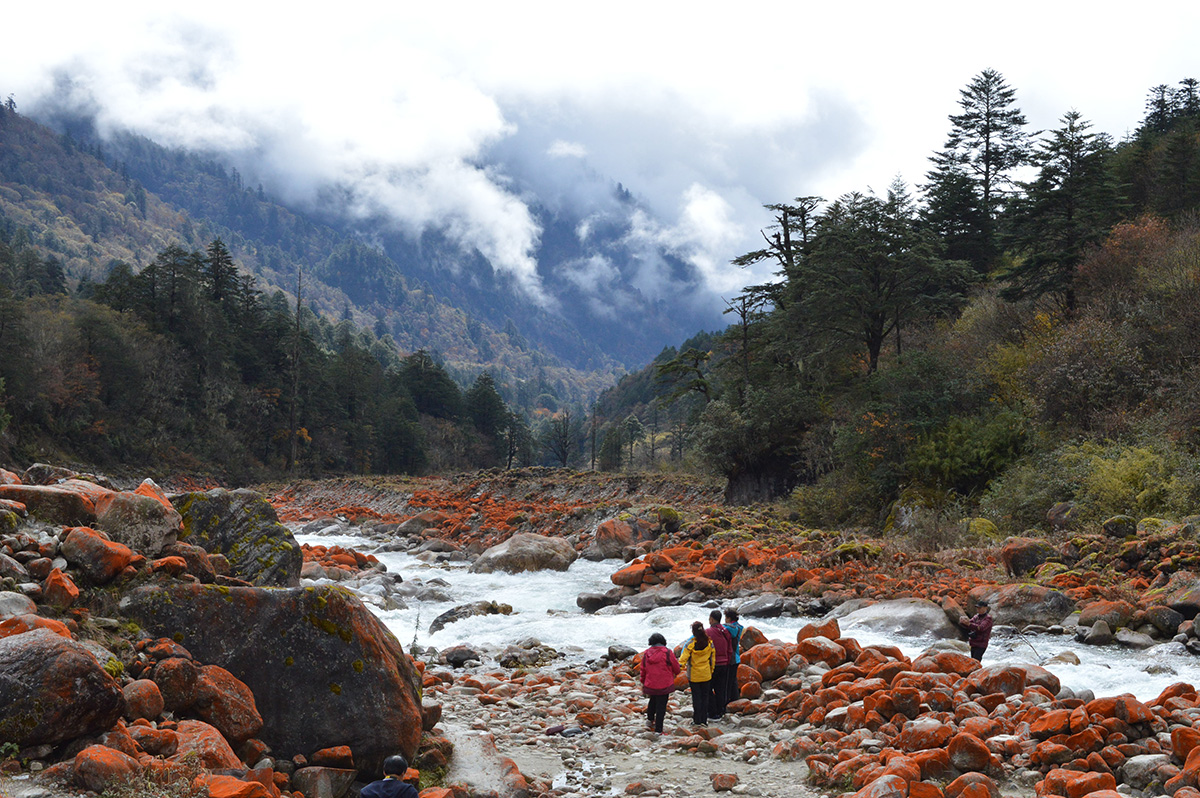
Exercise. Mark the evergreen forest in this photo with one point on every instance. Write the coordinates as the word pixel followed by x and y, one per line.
pixel 1017 332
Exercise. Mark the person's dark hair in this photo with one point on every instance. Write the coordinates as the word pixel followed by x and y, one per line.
pixel 699 635
pixel 714 617
pixel 657 639
pixel 731 615
pixel 395 765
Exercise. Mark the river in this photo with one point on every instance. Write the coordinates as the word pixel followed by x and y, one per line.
pixel 544 608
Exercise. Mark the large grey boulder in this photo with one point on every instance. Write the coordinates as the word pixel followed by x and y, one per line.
pixel 13 603
pixel 52 689
pixel 909 617
pixel 526 552
pixel 323 669
pixel 243 526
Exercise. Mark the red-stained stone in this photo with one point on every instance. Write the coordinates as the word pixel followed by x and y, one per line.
pixel 100 559
pixel 20 624
pixel 339 756
pixel 821 649
pixel 768 659
pixel 206 743
pixel 172 566
pixel 158 742
pixel 227 703
pixel 177 678
pixel 143 699
pixel 99 767
pixel 969 753
pixel 918 735
pixel 630 575
pixel 724 782
pixel 58 590
pixel 230 787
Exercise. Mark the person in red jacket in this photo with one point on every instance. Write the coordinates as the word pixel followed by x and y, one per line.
pixel 723 647
pixel 659 669
pixel 979 630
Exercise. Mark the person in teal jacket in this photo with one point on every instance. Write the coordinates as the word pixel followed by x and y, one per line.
pixel 700 659
pixel 735 630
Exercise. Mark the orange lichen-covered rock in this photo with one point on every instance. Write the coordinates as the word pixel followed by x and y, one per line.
pixel 20 624
pixel 59 590
pixel 630 575
pixel 227 703
pixel 821 649
pixel 230 787
pixel 884 787
pixel 143 699
pixel 99 767
pixel 768 659
pixel 969 753
pixel 99 558
pixel 1184 740
pixel 1054 722
pixel 923 733
pixel 203 741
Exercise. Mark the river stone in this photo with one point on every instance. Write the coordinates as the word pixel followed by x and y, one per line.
pixel 323 669
pixel 1132 639
pixel 13 604
pixel 590 602
pixel 1141 771
pixel 460 655
pixel 1181 593
pixel 767 605
pixel 141 522
pixel 1023 554
pixel 52 690
pixel 902 617
pixel 1024 604
pixel 526 552
pixel 468 611
pixel 242 526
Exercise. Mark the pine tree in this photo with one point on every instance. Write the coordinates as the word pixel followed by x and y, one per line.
pixel 1070 206
pixel 986 142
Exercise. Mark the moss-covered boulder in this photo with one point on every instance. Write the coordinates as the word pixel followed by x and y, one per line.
pixel 323 669
pixel 242 526
pixel 52 689
pixel 1022 554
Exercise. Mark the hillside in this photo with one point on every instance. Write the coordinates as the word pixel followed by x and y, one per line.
pixel 88 205
pixel 922 360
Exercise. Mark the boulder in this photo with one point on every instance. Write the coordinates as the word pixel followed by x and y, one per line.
pixel 904 618
pixel 143 523
pixel 323 670
pixel 1181 593
pixel 242 526
pixel 1021 605
pixel 1119 526
pixel 1021 554
pixel 204 742
pixel 62 505
pixel 468 611
pixel 322 782
pixel 97 557
pixel 1115 613
pixel 12 603
pixel 52 689
pixel 591 602
pixel 227 703
pixel 99 767
pixel 526 552
pixel 612 536
pixel 767 605
pixel 143 699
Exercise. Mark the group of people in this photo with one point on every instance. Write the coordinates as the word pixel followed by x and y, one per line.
pixel 710 656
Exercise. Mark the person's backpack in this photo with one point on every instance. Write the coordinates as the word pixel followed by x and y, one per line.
pixel 656 664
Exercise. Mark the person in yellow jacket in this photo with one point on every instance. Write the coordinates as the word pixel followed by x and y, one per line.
pixel 700 659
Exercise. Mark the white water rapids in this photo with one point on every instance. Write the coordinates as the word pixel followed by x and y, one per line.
pixel 544 608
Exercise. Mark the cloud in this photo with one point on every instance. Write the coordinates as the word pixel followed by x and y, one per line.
pixel 566 149
pixel 463 118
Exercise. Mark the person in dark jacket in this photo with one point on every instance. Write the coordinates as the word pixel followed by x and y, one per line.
pixel 392 785
pixel 735 629
pixel 979 630
pixel 723 648
pixel 658 671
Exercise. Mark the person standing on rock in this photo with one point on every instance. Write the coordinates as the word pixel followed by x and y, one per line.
pixel 392 785
pixel 700 660
pixel 735 629
pixel 979 630
pixel 658 671
pixel 723 653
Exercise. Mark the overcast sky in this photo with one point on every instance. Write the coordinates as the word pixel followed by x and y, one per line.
pixel 705 111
